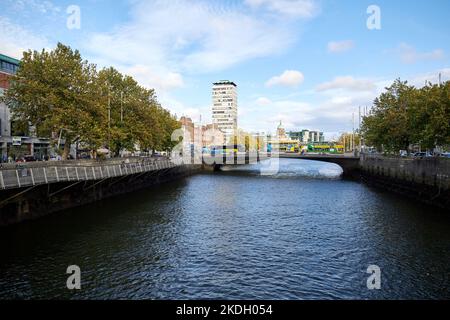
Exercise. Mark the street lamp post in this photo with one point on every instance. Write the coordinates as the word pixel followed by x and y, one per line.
pixel 121 107
pixel 109 118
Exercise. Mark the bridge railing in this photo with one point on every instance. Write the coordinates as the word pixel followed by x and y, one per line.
pixel 27 176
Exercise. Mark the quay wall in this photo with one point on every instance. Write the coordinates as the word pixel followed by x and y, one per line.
pixel 427 179
pixel 27 203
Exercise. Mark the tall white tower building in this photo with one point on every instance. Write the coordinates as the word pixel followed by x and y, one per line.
pixel 224 109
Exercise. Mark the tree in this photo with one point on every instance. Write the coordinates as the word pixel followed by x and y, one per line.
pixel 405 115
pixel 53 92
pixel 60 94
pixel 387 125
pixel 136 118
pixel 432 115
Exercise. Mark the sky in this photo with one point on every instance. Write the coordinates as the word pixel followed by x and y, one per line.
pixel 307 63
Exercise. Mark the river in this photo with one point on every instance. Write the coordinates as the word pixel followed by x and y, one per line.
pixel 304 233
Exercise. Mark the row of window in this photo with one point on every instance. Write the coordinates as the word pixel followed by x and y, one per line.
pixel 217 93
pixel 223 100
pixel 227 114
pixel 224 117
pixel 224 88
pixel 225 96
pixel 223 104
pixel 224 108
pixel 8 67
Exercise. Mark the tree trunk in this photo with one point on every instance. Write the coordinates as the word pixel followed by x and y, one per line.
pixel 66 151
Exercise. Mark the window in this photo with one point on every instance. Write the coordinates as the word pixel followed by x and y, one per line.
pixel 8 67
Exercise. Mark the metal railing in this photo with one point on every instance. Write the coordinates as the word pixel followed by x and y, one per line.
pixel 38 174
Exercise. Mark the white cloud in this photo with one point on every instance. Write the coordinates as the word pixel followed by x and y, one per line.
pixel 160 81
pixel 340 46
pixel 341 100
pixel 190 37
pixel 433 77
pixel 347 83
pixel 332 110
pixel 39 6
pixel 289 78
pixel 293 8
pixel 409 55
pixel 196 112
pixel 14 39
pixel 263 101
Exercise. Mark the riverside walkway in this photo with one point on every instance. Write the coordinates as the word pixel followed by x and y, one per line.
pixel 13 176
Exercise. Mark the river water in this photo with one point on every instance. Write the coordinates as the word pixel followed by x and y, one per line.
pixel 303 233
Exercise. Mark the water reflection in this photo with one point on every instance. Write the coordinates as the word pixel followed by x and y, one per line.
pixel 290 168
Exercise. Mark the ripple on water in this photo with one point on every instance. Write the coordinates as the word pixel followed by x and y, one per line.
pixel 302 234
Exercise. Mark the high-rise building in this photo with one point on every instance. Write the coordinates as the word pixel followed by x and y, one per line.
pixel 225 108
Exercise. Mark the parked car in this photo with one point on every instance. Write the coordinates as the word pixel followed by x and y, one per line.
pixel 445 155
pixel 403 153
pixel 422 155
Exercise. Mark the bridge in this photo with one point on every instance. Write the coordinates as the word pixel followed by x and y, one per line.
pixel 349 164
pixel 17 176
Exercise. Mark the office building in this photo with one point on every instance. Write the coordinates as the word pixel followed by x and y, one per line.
pixel 225 107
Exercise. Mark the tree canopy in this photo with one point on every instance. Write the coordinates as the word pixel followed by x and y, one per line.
pixel 405 115
pixel 58 92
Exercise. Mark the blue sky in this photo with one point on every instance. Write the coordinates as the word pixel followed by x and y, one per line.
pixel 309 63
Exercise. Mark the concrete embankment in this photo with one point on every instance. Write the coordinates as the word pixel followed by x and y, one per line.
pixel 31 202
pixel 427 180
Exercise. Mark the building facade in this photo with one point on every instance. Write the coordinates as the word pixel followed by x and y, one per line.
pixel 212 135
pixel 281 132
pixel 8 67
pixel 225 107
pixel 201 135
pixel 15 144
pixel 307 136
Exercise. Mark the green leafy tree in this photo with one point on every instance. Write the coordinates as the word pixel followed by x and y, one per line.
pixel 53 92
pixel 405 115
pixel 387 126
pixel 60 94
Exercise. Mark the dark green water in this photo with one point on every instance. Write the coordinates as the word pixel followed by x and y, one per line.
pixel 301 234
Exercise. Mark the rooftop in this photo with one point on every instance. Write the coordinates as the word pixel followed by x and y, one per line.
pixel 222 82
pixel 9 59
